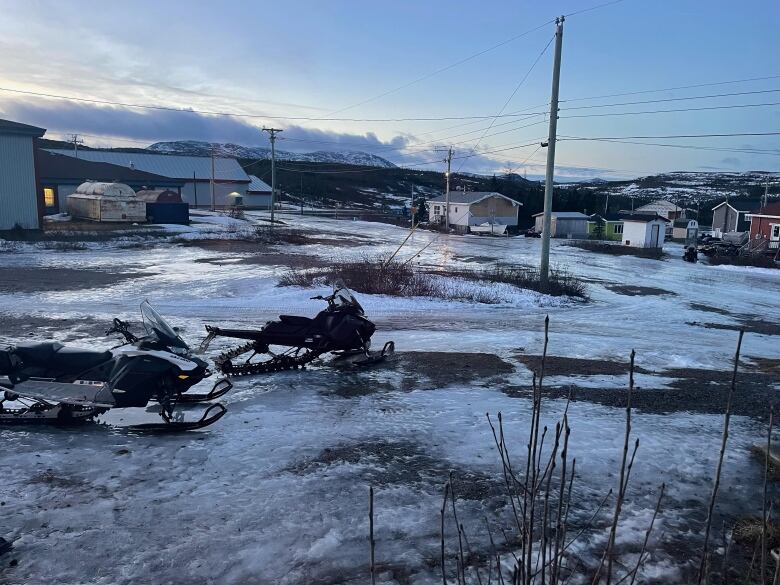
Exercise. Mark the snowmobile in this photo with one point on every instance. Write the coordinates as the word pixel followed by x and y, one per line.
pixel 691 254
pixel 59 385
pixel 341 329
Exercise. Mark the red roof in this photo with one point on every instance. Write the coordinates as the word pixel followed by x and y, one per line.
pixel 772 209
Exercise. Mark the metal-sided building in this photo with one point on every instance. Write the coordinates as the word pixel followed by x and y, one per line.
pixel 19 202
pixel 258 194
pixel 564 224
pixel 60 176
pixel 193 172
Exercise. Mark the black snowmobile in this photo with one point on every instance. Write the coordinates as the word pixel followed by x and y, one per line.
pixel 342 329
pixel 59 385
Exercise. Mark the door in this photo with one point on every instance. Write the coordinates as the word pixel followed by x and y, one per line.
pixel 654 233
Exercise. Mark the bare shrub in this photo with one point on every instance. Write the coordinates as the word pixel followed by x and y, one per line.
pixel 560 281
pixel 279 235
pixel 62 246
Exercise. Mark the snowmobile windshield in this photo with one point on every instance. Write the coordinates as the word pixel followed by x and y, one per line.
pixel 342 296
pixel 156 326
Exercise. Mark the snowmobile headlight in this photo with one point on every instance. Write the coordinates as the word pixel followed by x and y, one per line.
pixel 183 376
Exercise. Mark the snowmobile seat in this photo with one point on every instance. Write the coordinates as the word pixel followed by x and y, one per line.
pixel 295 320
pixel 37 353
pixel 78 360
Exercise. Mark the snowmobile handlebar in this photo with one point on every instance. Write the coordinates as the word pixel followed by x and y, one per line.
pixel 121 327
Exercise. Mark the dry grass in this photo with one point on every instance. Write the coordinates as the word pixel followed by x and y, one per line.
pixel 757 260
pixel 618 249
pixel 560 281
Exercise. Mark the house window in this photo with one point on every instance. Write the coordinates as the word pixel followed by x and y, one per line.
pixel 48 197
pixel 618 229
pixel 436 210
pixel 775 232
pixel 456 210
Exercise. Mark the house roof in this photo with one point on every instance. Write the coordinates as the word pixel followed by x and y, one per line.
pixel 11 127
pixel 173 166
pixel 681 223
pixel 471 197
pixel 608 217
pixel 642 217
pixel 256 185
pixel 565 215
pixel 750 205
pixel 772 210
pixel 659 205
pixel 53 166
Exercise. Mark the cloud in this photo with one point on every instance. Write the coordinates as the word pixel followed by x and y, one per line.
pixel 102 125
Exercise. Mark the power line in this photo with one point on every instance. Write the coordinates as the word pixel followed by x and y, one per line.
pixel 512 95
pixel 678 99
pixel 697 85
pixel 706 108
pixel 676 136
pixel 689 146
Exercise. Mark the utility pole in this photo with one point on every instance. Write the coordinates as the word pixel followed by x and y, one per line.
pixel 272 137
pixel 447 192
pixel 211 183
pixel 606 204
pixel 74 138
pixel 544 267
pixel 766 194
pixel 195 188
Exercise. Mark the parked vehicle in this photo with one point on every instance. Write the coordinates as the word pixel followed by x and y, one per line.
pixel 342 328
pixel 61 385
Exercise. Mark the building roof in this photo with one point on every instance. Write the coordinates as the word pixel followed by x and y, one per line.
pixel 470 197
pixel 682 223
pixel 565 215
pixel 659 205
pixel 772 210
pixel 173 166
pixel 750 205
pixel 11 127
pixel 642 217
pixel 257 186
pixel 53 166
pixel 608 217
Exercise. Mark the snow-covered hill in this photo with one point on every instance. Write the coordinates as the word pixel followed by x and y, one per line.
pixel 197 148
pixel 685 187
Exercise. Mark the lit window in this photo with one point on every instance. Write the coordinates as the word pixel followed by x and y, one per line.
pixel 48 197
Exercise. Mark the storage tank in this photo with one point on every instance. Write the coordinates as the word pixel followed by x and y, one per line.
pixel 106 202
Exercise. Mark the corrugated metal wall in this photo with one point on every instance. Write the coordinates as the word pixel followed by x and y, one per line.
pixel 221 191
pixel 18 198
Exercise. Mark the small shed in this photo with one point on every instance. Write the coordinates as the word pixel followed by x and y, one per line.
pixel 258 194
pixel 106 202
pixel 564 224
pixel 165 206
pixel 731 216
pixel 644 230
pixel 685 229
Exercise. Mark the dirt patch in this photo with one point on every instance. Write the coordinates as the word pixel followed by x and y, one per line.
pixel 692 390
pixel 563 366
pixel 638 291
pixel 31 280
pixel 387 463
pixel 445 368
pixel 709 309
pixel 619 249
pixel 51 479
pixel 15 327
pixel 267 259
pixel 766 365
pixel 749 324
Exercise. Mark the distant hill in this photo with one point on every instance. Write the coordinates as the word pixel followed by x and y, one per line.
pixel 196 148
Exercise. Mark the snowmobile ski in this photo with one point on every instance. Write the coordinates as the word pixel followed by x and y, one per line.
pixel 171 425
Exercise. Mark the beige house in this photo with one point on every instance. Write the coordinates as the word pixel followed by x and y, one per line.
pixel 475 211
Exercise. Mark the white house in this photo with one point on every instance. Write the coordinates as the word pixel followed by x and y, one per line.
pixel 19 203
pixel 644 230
pixel 192 172
pixel 477 211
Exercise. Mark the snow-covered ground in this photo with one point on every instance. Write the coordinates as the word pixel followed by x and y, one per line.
pixel 277 491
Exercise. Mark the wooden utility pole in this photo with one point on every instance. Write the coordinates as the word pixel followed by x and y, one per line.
pixel 447 193
pixel 211 183
pixel 544 267
pixel 74 138
pixel 272 137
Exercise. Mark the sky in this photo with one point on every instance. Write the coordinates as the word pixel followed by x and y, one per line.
pixel 348 75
